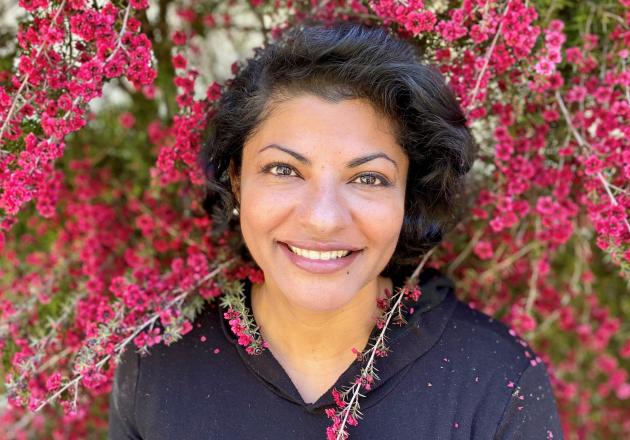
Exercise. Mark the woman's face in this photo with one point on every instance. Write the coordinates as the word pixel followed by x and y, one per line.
pixel 326 178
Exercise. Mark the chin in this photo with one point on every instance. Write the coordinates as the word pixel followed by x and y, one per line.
pixel 317 300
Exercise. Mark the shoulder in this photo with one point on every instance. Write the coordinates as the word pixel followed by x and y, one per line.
pixel 483 337
pixel 199 365
pixel 205 344
pixel 515 379
pixel 517 395
pixel 503 383
pixel 199 354
pixel 482 357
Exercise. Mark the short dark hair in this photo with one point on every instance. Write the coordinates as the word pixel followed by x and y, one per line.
pixel 344 60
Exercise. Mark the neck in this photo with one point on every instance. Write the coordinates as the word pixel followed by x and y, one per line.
pixel 308 338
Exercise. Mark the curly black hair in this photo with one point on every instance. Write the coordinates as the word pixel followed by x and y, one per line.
pixel 345 60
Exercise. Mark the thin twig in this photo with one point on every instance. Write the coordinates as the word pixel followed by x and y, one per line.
pixel 464 253
pixel 533 280
pixel 616 17
pixel 121 34
pixel 487 57
pixel 27 76
pixel 627 89
pixel 416 273
pixel 533 288
pixel 508 261
pixel 547 322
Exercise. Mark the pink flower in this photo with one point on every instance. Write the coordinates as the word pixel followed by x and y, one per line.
pixel 545 67
pixel 179 62
pixel 593 165
pixel 418 22
pixel 186 327
pixel 214 92
pixel 415 294
pixel 54 382
pixel 126 120
pixel 139 4
pixel 209 20
pixel 546 206
pixel 179 38
pixel 554 39
pixel 32 5
pixel 483 249
pixel 338 399
pixel 451 30
pixel 574 55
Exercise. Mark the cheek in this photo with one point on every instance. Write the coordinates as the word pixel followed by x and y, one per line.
pixel 262 210
pixel 381 219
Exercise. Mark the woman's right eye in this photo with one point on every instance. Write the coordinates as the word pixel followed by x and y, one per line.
pixel 281 169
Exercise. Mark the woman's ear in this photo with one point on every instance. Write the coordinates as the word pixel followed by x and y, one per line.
pixel 235 182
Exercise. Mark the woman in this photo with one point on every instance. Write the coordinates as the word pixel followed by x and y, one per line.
pixel 344 158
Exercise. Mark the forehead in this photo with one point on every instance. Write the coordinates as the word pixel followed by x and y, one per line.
pixel 313 124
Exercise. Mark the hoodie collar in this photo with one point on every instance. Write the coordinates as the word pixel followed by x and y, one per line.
pixel 407 343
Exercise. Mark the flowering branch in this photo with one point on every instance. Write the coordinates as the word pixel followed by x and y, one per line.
pixel 350 410
pixel 242 322
pixel 123 28
pixel 487 57
pixel 136 332
pixel 26 77
pixel 80 77
pixel 584 144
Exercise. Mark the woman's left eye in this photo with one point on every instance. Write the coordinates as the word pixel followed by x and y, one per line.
pixel 371 179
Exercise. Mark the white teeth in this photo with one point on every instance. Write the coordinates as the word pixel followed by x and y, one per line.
pixel 316 255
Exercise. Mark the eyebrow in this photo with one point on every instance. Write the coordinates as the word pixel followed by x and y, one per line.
pixel 351 164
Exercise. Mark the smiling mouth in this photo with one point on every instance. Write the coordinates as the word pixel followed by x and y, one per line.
pixel 319 255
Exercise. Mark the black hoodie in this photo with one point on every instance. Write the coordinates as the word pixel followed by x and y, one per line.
pixel 452 373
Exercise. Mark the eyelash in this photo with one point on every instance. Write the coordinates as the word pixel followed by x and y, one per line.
pixel 267 169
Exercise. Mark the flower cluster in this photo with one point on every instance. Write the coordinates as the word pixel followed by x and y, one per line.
pixel 242 322
pixel 68 51
pixel 412 15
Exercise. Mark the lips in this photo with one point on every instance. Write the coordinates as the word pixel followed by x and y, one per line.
pixel 320 266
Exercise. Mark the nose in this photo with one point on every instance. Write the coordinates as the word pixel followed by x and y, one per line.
pixel 323 208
